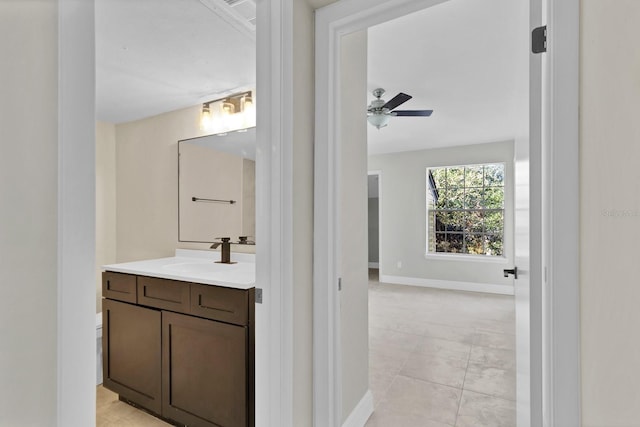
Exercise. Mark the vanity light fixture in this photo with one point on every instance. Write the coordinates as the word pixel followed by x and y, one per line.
pixel 233 113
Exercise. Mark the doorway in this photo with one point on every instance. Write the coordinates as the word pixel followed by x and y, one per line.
pixel 373 210
pixel 331 24
pixel 444 331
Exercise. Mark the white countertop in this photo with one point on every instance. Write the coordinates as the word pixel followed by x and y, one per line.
pixel 197 267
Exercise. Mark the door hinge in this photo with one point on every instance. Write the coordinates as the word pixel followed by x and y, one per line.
pixel 539 39
pixel 258 296
pixel 339 283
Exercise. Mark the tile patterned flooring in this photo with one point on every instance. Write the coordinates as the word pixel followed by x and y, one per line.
pixel 437 358
pixel 440 358
pixel 110 412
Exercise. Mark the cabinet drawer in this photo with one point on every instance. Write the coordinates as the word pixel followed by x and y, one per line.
pixel 119 286
pixel 217 303
pixel 162 293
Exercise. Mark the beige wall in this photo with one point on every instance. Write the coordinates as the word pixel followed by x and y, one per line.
pixel 354 298
pixel 28 212
pixel 213 174
pixel 147 184
pixel 610 212
pixel 404 211
pixel 105 202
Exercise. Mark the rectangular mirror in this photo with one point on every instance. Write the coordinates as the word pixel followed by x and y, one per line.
pixel 216 186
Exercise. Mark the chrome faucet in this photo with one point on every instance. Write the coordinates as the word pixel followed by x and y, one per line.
pixel 225 251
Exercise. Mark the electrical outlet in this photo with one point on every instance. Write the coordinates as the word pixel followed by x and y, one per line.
pixel 399 264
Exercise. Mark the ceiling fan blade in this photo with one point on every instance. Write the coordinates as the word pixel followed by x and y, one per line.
pixel 397 101
pixel 412 113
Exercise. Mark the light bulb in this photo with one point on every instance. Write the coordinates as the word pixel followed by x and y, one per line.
pixel 378 120
pixel 249 112
pixel 205 118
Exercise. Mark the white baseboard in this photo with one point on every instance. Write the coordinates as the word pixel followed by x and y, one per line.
pixel 374 265
pixel 361 413
pixel 448 284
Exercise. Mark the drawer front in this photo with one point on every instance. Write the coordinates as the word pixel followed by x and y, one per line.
pixel 119 286
pixel 217 303
pixel 164 294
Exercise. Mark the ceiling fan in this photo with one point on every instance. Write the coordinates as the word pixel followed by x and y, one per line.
pixel 379 112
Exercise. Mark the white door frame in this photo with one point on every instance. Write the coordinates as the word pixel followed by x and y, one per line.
pixel 274 202
pixel 557 386
pixel 76 336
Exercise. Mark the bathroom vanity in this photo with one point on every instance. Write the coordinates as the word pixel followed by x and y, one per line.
pixel 178 339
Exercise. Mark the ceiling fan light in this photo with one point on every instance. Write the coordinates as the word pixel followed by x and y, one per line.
pixel 378 120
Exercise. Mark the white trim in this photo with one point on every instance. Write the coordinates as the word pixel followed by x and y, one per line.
pixel 76 352
pixel 361 413
pixel 466 258
pixel 563 210
pixel 453 285
pixel 274 202
pixel 348 16
pixel 374 265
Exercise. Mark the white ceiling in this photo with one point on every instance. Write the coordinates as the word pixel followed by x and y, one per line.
pixel 457 58
pixel 154 56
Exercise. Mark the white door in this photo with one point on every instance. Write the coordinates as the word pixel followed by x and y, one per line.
pixel 528 245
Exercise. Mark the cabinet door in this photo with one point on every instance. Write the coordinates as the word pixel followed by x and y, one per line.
pixel 204 371
pixel 131 342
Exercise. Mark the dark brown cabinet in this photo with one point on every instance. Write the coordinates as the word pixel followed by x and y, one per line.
pixel 132 352
pixel 184 351
pixel 204 367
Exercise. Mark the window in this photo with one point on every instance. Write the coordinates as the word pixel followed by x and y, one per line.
pixel 465 209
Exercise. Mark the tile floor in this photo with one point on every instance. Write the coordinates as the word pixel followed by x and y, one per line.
pixel 440 358
pixel 110 412
pixel 437 359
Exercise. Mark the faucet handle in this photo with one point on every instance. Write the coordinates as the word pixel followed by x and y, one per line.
pixel 244 240
pixel 224 239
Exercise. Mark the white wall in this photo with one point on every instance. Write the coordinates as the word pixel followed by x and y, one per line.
pixel 105 202
pixel 353 187
pixel 28 212
pixel 403 213
pixel 610 212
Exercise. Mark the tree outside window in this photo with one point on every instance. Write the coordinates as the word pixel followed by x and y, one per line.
pixel 465 209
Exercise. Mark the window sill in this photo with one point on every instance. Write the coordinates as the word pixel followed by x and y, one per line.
pixel 466 258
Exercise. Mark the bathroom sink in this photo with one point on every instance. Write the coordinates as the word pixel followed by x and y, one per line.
pixel 199 267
